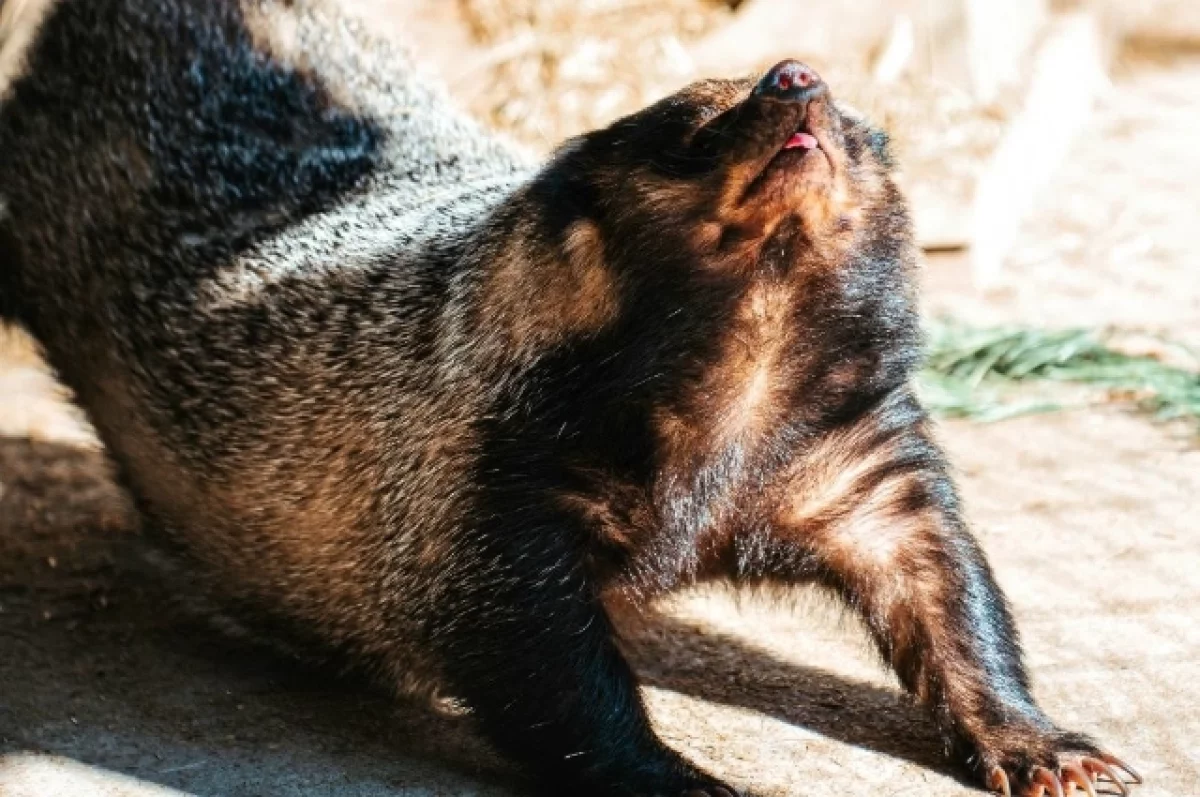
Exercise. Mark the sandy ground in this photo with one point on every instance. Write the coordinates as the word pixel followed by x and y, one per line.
pixel 1092 521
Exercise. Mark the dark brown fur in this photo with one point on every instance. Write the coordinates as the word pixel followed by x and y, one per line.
pixel 398 395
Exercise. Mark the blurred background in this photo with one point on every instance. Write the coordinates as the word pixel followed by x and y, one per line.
pixel 1051 154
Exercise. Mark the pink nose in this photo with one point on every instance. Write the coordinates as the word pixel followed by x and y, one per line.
pixel 791 81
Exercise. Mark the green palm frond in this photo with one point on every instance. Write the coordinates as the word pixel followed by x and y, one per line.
pixel 988 373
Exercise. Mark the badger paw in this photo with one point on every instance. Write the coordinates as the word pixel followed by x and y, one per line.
pixel 1061 777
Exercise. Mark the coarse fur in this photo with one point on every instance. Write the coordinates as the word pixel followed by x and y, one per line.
pixel 401 395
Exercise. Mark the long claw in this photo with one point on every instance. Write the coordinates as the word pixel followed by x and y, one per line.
pixel 998 782
pixel 1079 776
pixel 1109 758
pixel 1048 780
pixel 1102 768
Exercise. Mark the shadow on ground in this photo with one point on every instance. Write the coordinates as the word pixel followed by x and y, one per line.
pixel 721 669
pixel 99 668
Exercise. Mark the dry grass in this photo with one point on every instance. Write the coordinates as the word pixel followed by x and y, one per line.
pixel 559 67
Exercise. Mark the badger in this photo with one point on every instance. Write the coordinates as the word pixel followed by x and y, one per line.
pixel 401 395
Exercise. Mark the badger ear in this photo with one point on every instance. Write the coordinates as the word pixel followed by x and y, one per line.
pixel 583 246
pixel 593 282
pixel 563 193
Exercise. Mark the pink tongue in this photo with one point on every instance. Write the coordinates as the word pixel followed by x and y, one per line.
pixel 803 140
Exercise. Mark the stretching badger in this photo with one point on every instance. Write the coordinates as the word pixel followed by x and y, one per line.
pixel 401 396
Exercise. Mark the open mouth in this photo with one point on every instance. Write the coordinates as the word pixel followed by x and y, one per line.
pixel 792 166
pixel 801 139
pixel 797 146
pixel 785 121
pixel 794 84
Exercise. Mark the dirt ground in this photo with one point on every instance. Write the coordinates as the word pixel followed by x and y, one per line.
pixel 1091 518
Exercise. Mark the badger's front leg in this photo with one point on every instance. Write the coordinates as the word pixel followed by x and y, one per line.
pixel 871 513
pixel 526 642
